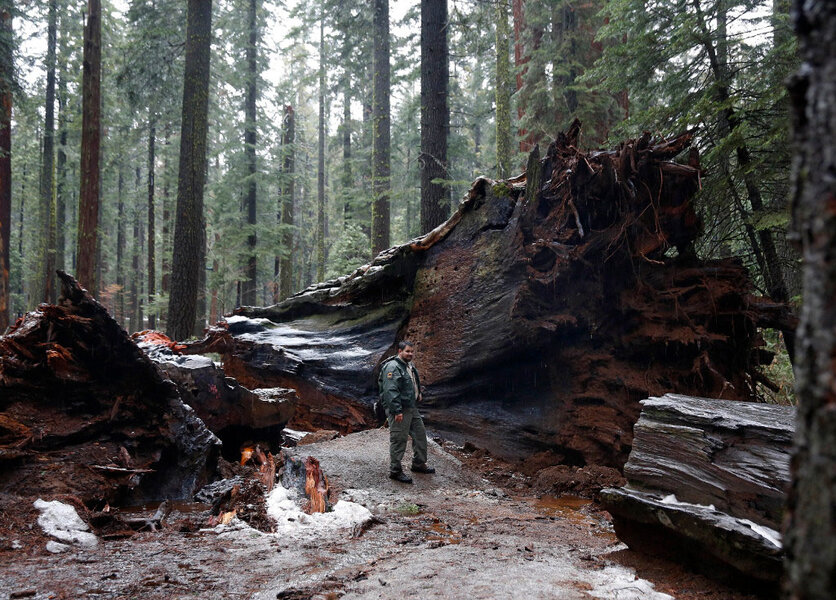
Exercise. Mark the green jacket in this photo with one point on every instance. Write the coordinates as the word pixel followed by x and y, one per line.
pixel 395 385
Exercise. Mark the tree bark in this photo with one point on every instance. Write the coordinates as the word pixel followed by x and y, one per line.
pixel 120 248
pixel 6 79
pixel 286 207
pixel 189 229
pixel 165 280
pixel 88 207
pixel 44 283
pixel 381 167
pixel 61 172
pixel 320 164
pixel 435 113
pixel 152 226
pixel 503 92
pixel 248 291
pixel 811 546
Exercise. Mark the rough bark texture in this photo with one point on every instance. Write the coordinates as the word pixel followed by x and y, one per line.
pixel 503 92
pixel 249 285
pixel 6 79
pixel 811 547
pixel 91 131
pixel 189 228
pixel 541 313
pixel 320 162
pixel 707 479
pixel 435 114
pixel 152 227
pixel 380 128
pixel 44 286
pixel 286 202
pixel 84 412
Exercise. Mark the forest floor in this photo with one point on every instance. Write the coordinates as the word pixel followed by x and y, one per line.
pixel 475 529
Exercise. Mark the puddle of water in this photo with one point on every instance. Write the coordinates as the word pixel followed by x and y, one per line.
pixel 564 507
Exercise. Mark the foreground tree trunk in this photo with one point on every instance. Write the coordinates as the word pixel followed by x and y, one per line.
pixel 189 228
pixel 248 286
pixel 88 201
pixel 380 129
pixel 811 545
pixel 44 282
pixel 6 79
pixel 435 113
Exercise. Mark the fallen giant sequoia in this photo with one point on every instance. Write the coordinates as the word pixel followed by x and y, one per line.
pixel 84 412
pixel 542 311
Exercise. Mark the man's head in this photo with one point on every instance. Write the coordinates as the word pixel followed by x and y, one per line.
pixel 405 350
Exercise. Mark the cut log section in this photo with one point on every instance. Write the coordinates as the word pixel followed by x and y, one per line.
pixel 542 311
pixel 707 480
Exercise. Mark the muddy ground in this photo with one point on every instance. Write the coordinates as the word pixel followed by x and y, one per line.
pixel 479 528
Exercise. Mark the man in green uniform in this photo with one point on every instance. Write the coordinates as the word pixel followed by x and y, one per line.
pixel 400 392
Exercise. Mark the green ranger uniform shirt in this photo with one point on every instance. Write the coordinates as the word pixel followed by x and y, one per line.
pixel 399 384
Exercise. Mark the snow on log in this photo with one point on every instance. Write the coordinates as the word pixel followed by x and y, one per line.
pixel 707 480
pixel 85 413
pixel 542 311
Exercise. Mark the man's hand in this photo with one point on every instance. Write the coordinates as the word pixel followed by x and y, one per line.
pixel 398 417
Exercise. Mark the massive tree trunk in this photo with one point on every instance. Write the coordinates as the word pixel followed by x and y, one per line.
pixel 249 285
pixel 189 229
pixel 286 203
pixel 91 130
pixel 541 312
pixel 44 282
pixel 6 80
pixel 435 114
pixel 380 129
pixel 811 546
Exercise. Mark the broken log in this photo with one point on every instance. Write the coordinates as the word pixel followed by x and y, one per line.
pixel 707 480
pixel 232 412
pixel 542 311
pixel 83 412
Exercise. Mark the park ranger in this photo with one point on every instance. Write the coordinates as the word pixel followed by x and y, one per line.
pixel 400 392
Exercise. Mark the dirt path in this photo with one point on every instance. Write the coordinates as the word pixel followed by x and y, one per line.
pixel 449 535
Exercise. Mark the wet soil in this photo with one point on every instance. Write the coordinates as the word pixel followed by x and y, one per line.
pixel 477 528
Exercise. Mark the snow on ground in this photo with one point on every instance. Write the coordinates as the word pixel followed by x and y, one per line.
pixel 61 521
pixel 282 506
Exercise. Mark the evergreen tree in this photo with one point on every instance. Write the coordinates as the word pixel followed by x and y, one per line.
pixel 188 271
pixel 381 167
pixel 6 85
pixel 435 114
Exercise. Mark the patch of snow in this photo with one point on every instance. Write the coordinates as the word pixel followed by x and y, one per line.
pixel 766 532
pixel 671 499
pixel 621 583
pixel 281 506
pixel 61 521
pixel 16 545
pixel 56 547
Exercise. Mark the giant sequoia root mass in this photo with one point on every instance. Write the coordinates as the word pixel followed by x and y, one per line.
pixel 542 311
pixel 85 413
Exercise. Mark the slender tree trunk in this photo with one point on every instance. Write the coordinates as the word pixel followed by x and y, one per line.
pixel 347 176
pixel 503 92
pixel 61 175
pixel 46 289
pixel 165 280
pixel 320 170
pixel 134 323
pixel 435 113
pixel 189 234
pixel 248 291
pixel 6 79
pixel 88 209
pixel 520 59
pixel 810 543
pixel 287 212
pixel 152 225
pixel 120 247
pixel 380 129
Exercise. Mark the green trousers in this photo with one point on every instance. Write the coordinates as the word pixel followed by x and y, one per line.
pixel 412 426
